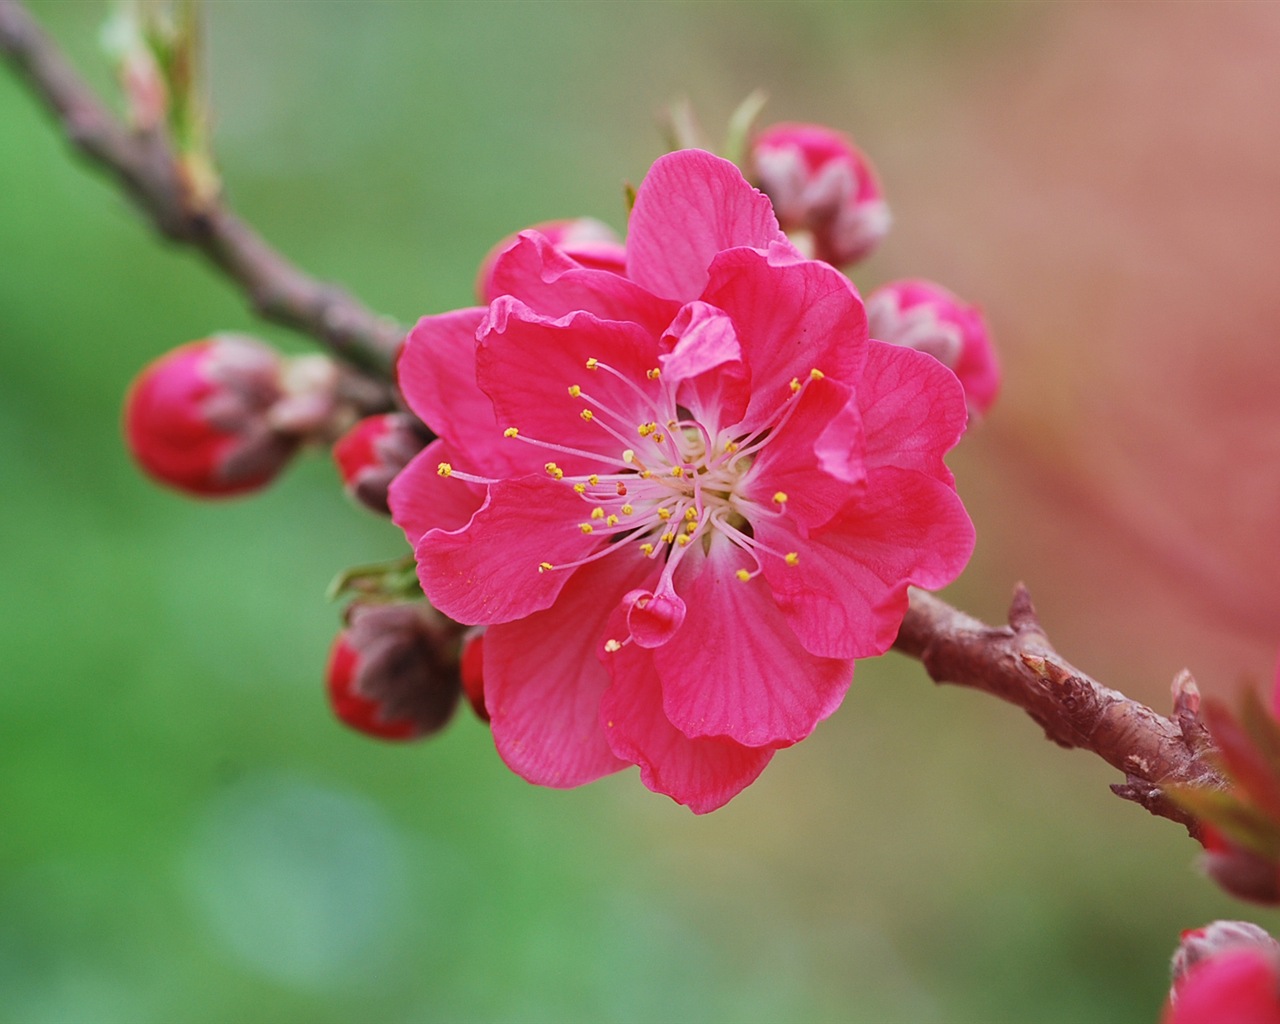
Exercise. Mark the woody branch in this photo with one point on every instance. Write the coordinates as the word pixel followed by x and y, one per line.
pixel 1015 663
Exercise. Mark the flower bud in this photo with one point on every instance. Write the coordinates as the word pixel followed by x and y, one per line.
pixel 584 239
pixel 1238 983
pixel 198 417
pixel 1200 944
pixel 371 453
pixel 393 671
pixel 823 185
pixel 1243 873
pixel 471 667
pixel 925 316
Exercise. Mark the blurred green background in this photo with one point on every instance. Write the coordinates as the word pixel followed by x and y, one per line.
pixel 185 834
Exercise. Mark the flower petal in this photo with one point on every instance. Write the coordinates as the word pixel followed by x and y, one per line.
pixel 814 459
pixel 437 375
pixel 702 774
pixel 540 275
pixel 848 593
pixel 691 205
pixel 528 364
pixel 488 571
pixel 543 679
pixel 703 360
pixel 791 317
pixel 735 669
pixel 913 410
pixel 421 499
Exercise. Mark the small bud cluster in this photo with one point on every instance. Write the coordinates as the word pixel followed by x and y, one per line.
pixel 371 453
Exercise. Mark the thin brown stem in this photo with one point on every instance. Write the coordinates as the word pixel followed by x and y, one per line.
pixel 1018 664
pixel 144 165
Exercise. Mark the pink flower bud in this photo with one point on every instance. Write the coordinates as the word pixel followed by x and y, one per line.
pixel 1226 972
pixel 1243 873
pixel 584 239
pixel 822 184
pixel 1200 944
pixel 198 417
pixel 472 668
pixel 371 453
pixel 925 316
pixel 393 671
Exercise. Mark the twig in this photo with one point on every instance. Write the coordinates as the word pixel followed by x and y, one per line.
pixel 145 167
pixel 1018 664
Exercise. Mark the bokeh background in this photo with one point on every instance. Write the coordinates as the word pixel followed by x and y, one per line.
pixel 185 834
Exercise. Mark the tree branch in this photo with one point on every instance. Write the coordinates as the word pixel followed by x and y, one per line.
pixel 1018 664
pixel 144 165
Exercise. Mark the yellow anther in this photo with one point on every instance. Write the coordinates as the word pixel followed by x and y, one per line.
pixel 444 469
pixel 510 432
pixel 731 447
pixel 645 429
pixel 611 646
pixel 659 438
pixel 690 514
pixel 587 415
pixel 645 474
pixel 593 479
pixel 627 509
pixel 743 575
pixel 677 470
pixel 664 514
pixel 780 498
pixel 586 528
pixel 795 384
pixel 684 539
pixel 554 470
pixel 580 488
pixel 597 513
pixel 690 527
pixel 792 558
pixel 647 548
pixel 574 391
pixel 611 521
pixel 628 456
pixel 653 374
pixel 592 363
pixel 668 537
pixel 545 567
pixel 816 375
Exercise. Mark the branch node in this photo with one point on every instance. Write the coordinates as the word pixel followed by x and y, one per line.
pixel 1022 613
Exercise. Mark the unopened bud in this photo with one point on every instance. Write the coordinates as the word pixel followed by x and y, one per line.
pixel 586 240
pixel 925 316
pixel 1243 873
pixel 371 453
pixel 393 671
pixel 471 667
pixel 1217 937
pixel 822 186
pixel 198 417
pixel 1239 982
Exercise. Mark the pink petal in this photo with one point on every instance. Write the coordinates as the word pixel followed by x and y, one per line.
pixel 735 669
pixel 847 595
pixel 527 364
pixel 1235 987
pixel 692 205
pixel 913 410
pixel 487 571
pixel 421 499
pixel 814 458
pixel 534 271
pixel 704 362
pixel 791 317
pixel 543 678
pixel 702 774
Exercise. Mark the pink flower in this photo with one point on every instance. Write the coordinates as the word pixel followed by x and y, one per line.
pixel 822 184
pixel 585 240
pixel 1238 986
pixel 682 500
pixel 925 316
pixel 199 417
